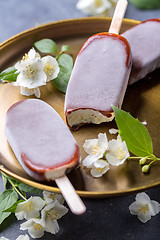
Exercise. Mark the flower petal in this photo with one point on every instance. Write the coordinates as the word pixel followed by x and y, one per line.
pixel 23 237
pixel 33 54
pixel 118 152
pixel 113 131
pixel 154 208
pixel 144 208
pixel 103 141
pixel 34 226
pixel 30 208
pixel 50 67
pixel 89 160
pixel 51 213
pixel 144 217
pixel 93 7
pixel 50 197
pixel 142 198
pixel 89 145
pixel 99 168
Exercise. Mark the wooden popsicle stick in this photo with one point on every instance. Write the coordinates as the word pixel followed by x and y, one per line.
pixel 70 195
pixel 118 16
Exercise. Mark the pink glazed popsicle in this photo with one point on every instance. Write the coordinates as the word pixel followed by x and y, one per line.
pixel 98 80
pixel 100 75
pixel 40 139
pixel 144 40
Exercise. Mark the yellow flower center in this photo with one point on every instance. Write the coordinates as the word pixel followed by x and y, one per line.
pixel 99 169
pixel 28 207
pixel 143 209
pixel 52 196
pixel 120 153
pixel 30 71
pixel 37 226
pixel 25 57
pixel 49 69
pixel 52 215
pixel 98 3
pixel 96 149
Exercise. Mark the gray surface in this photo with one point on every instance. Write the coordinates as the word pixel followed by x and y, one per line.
pixel 105 218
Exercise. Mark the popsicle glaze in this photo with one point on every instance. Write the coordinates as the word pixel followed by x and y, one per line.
pixel 40 139
pixel 144 40
pixel 99 79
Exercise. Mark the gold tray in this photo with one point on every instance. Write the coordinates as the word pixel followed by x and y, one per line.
pixel 142 100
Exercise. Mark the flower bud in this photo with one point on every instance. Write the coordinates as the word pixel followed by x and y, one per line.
pixel 145 168
pixel 142 160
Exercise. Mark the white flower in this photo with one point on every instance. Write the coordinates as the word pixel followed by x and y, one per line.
pixel 31 74
pixel 50 197
pixel 113 131
pixel 3 238
pixel 50 67
pixel 29 208
pixel 95 148
pixel 28 92
pixel 34 226
pixel 31 55
pixel 144 208
pixel 117 152
pixel 94 7
pixel 51 213
pixel 99 168
pixel 144 123
pixel 23 237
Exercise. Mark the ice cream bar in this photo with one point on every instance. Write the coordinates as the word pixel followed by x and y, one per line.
pixel 99 79
pixel 144 40
pixel 40 139
pixel 100 76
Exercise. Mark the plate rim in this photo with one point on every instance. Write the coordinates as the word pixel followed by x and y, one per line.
pixel 14 37
pixel 42 186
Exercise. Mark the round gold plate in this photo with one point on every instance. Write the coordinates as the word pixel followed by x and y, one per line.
pixel 141 100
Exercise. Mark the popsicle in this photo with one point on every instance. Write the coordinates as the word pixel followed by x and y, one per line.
pixel 100 76
pixel 144 40
pixel 43 144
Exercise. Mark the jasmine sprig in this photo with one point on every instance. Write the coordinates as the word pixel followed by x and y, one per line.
pixel 9 199
pixel 37 213
pixel 65 62
pixel 137 138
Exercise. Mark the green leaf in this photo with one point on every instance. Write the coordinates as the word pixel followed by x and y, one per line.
pixel 7 71
pixel 15 181
pixel 12 209
pixel 46 46
pixel 65 48
pixel 7 199
pixel 66 61
pixel 29 189
pixel 10 77
pixel 146 4
pixel 66 64
pixel 134 133
pixel 4 177
pixel 9 74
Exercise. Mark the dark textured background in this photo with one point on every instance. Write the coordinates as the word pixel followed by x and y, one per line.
pixel 105 218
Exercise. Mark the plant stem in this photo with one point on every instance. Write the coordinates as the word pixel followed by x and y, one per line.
pixel 152 162
pixel 16 189
pixel 59 54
